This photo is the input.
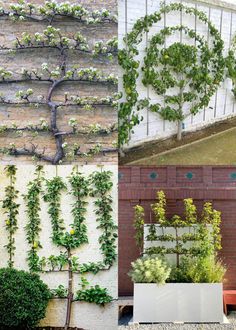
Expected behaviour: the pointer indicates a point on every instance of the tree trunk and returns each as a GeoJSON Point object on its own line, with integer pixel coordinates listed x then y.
{"type": "Point", "coordinates": [70, 293]}
{"type": "Point", "coordinates": [179, 132]}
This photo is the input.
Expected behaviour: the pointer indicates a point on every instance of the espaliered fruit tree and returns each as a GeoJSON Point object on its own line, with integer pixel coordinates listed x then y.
{"type": "Point", "coordinates": [184, 75]}
{"type": "Point", "coordinates": [60, 47]}
{"type": "Point", "coordinates": [97, 186]}
{"type": "Point", "coordinates": [189, 235]}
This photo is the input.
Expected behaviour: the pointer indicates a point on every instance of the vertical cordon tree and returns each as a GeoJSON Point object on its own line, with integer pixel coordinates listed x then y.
{"type": "Point", "coordinates": [11, 210]}
{"type": "Point", "coordinates": [184, 75]}
{"type": "Point", "coordinates": [54, 77]}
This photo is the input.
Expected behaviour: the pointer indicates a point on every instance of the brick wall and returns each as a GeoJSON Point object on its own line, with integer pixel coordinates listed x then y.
{"type": "Point", "coordinates": [30, 59]}
{"type": "Point", "coordinates": [202, 183]}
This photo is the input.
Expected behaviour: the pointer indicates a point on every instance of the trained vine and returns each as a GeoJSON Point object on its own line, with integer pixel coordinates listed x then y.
{"type": "Point", "coordinates": [11, 210]}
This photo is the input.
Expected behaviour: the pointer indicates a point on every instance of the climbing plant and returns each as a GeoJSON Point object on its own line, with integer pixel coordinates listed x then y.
{"type": "Point", "coordinates": [54, 77]}
{"type": "Point", "coordinates": [32, 199]}
{"type": "Point", "coordinates": [193, 71]}
{"type": "Point", "coordinates": [138, 225]}
{"type": "Point", "coordinates": [11, 209]}
{"type": "Point", "coordinates": [97, 186]}
{"type": "Point", "coordinates": [231, 64]}
{"type": "Point", "coordinates": [189, 235]}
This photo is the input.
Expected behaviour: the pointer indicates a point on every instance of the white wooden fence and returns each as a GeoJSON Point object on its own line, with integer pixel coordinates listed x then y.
{"type": "Point", "coordinates": [222, 104]}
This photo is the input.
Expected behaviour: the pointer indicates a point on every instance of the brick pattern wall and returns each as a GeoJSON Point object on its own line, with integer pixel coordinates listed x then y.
{"type": "Point", "coordinates": [30, 59]}
{"type": "Point", "coordinates": [202, 183]}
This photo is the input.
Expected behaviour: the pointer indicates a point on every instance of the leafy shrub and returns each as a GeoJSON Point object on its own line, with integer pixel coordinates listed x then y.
{"type": "Point", "coordinates": [23, 299]}
{"type": "Point", "coordinates": [95, 295]}
{"type": "Point", "coordinates": [149, 269]}
{"type": "Point", "coordinates": [198, 270]}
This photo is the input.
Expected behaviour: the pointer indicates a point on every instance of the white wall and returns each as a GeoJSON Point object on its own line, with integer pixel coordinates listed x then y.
{"type": "Point", "coordinates": [222, 104]}
{"type": "Point", "coordinates": [84, 315]}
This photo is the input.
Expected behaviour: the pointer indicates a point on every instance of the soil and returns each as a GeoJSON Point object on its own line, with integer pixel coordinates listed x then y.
{"type": "Point", "coordinates": [143, 155]}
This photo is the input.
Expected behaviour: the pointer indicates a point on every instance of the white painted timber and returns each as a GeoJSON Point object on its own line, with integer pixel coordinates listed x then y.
{"type": "Point", "coordinates": [222, 104]}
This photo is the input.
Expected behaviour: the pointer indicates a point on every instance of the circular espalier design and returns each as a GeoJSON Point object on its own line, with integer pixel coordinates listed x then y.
{"type": "Point", "coordinates": [55, 77]}
{"type": "Point", "coordinates": [183, 75]}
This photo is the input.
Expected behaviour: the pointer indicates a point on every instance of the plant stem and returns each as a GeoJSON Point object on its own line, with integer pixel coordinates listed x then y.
{"type": "Point", "coordinates": [179, 132]}
{"type": "Point", "coordinates": [70, 291]}
{"type": "Point", "coordinates": [180, 121]}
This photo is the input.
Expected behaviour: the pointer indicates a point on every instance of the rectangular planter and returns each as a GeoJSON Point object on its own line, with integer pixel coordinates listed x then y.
{"type": "Point", "coordinates": [178, 302]}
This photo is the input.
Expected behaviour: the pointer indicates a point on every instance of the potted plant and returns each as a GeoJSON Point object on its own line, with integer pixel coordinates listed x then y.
{"type": "Point", "coordinates": [179, 278]}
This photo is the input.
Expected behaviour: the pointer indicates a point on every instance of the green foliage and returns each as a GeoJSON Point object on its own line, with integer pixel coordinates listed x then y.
{"type": "Point", "coordinates": [93, 267]}
{"type": "Point", "coordinates": [159, 208]}
{"type": "Point", "coordinates": [51, 9]}
{"type": "Point", "coordinates": [190, 211]}
{"type": "Point", "coordinates": [55, 187]}
{"type": "Point", "coordinates": [198, 270]}
{"type": "Point", "coordinates": [201, 237]}
{"type": "Point", "coordinates": [98, 185]}
{"type": "Point", "coordinates": [95, 295]}
{"type": "Point", "coordinates": [58, 262]}
{"type": "Point", "coordinates": [60, 292]}
{"type": "Point", "coordinates": [80, 190]}
{"type": "Point", "coordinates": [195, 71]}
{"type": "Point", "coordinates": [32, 199]}
{"type": "Point", "coordinates": [102, 185]}
{"type": "Point", "coordinates": [152, 234]}
{"type": "Point", "coordinates": [149, 269]}
{"type": "Point", "coordinates": [231, 64]}
{"type": "Point", "coordinates": [23, 300]}
{"type": "Point", "coordinates": [139, 225]}
{"type": "Point", "coordinates": [11, 209]}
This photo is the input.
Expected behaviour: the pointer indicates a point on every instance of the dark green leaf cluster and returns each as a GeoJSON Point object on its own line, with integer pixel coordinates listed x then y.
{"type": "Point", "coordinates": [102, 185]}
{"type": "Point", "coordinates": [11, 209]}
{"type": "Point", "coordinates": [59, 292]}
{"type": "Point", "coordinates": [80, 190]}
{"type": "Point", "coordinates": [55, 187]}
{"type": "Point", "coordinates": [23, 299]}
{"type": "Point", "coordinates": [95, 295]}
{"type": "Point", "coordinates": [32, 199]}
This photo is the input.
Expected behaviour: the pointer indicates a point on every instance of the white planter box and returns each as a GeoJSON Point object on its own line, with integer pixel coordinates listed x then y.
{"type": "Point", "coordinates": [178, 302]}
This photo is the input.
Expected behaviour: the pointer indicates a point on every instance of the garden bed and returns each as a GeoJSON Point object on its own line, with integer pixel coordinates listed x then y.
{"type": "Point", "coordinates": [149, 152]}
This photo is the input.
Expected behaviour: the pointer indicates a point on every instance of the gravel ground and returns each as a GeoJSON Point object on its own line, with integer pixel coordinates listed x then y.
{"type": "Point", "coordinates": [166, 326]}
